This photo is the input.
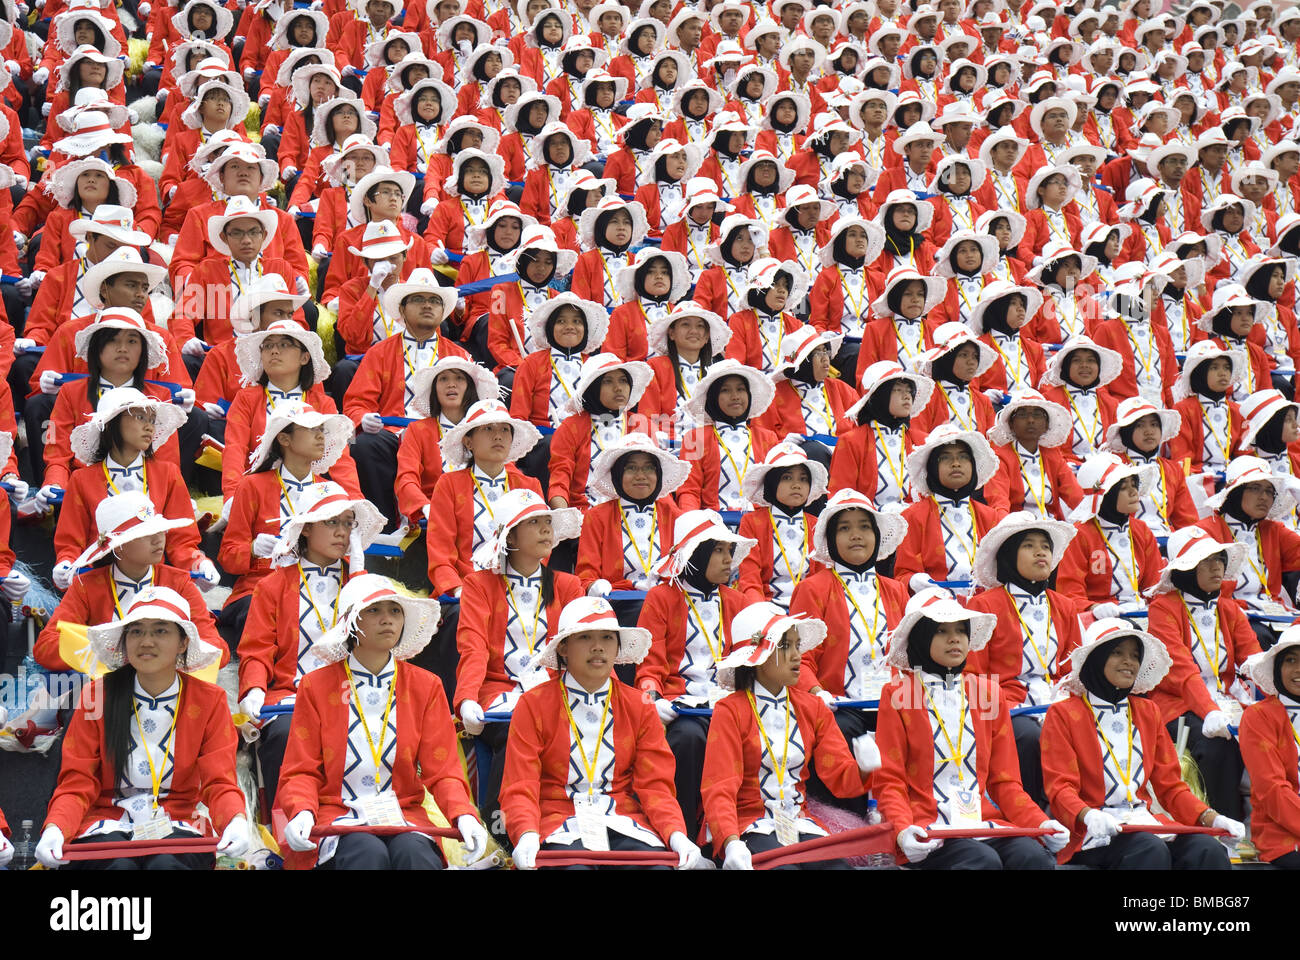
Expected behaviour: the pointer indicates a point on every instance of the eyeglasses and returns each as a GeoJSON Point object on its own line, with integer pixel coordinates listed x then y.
{"type": "Point", "coordinates": [252, 233]}
{"type": "Point", "coordinates": [388, 193]}
{"type": "Point", "coordinates": [335, 523]}
{"type": "Point", "coordinates": [143, 414]}
{"type": "Point", "coordinates": [281, 343]}
{"type": "Point", "coordinates": [423, 299]}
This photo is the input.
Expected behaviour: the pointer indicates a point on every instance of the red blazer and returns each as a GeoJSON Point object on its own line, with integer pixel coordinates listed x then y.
{"type": "Point", "coordinates": [880, 342]}
{"type": "Point", "coordinates": [1279, 544]}
{"type": "Point", "coordinates": [827, 298]}
{"type": "Point", "coordinates": [1085, 570]}
{"type": "Point", "coordinates": [71, 409]}
{"type": "Point", "coordinates": [733, 761]}
{"type": "Point", "coordinates": [746, 344]}
{"type": "Point", "coordinates": [87, 487]}
{"type": "Point", "coordinates": [204, 769]}
{"type": "Point", "coordinates": [60, 353]}
{"type": "Point", "coordinates": [1268, 746]}
{"type": "Point", "coordinates": [1000, 660]}
{"type": "Point", "coordinates": [447, 224]}
{"type": "Point", "coordinates": [1183, 689]}
{"type": "Point", "coordinates": [1030, 368]}
{"type": "Point", "coordinates": [1179, 508]}
{"type": "Point", "coordinates": [937, 410]}
{"type": "Point", "coordinates": [922, 548]}
{"type": "Point", "coordinates": [820, 595]}
{"type": "Point", "coordinates": [664, 614]}
{"type": "Point", "coordinates": [785, 415]}
{"type": "Point", "coordinates": [628, 329]}
{"type": "Point", "coordinates": [192, 242]}
{"type": "Point", "coordinates": [419, 466]}
{"type": "Point", "coordinates": [426, 758]}
{"type": "Point", "coordinates": [1106, 404]}
{"type": "Point", "coordinates": [600, 546]}
{"type": "Point", "coordinates": [904, 785]}
{"type": "Point", "coordinates": [1188, 448]}
{"type": "Point", "coordinates": [379, 385]}
{"type": "Point", "coordinates": [1011, 492]}
{"type": "Point", "coordinates": [701, 486]}
{"type": "Point", "coordinates": [1073, 770]}
{"type": "Point", "coordinates": [759, 566]}
{"type": "Point", "coordinates": [571, 456]}
{"type": "Point", "coordinates": [854, 463]}
{"type": "Point", "coordinates": [208, 295]}
{"type": "Point", "coordinates": [534, 794]}
{"type": "Point", "coordinates": [451, 525]}
{"type": "Point", "coordinates": [480, 638]}
{"type": "Point", "coordinates": [268, 647]}
{"type": "Point", "coordinates": [1111, 333]}
{"type": "Point", "coordinates": [355, 326]}
{"type": "Point", "coordinates": [508, 319]}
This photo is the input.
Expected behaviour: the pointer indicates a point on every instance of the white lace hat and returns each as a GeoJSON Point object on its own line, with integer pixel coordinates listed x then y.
{"type": "Point", "coordinates": [937, 604]}
{"type": "Point", "coordinates": [113, 403]}
{"type": "Point", "coordinates": [1058, 532]}
{"type": "Point", "coordinates": [1155, 658]}
{"type": "Point", "coordinates": [755, 632]}
{"type": "Point", "coordinates": [892, 527]}
{"type": "Point", "coordinates": [153, 603]}
{"type": "Point", "coordinates": [512, 509]}
{"type": "Point", "coordinates": [586, 614]}
{"type": "Point", "coordinates": [295, 413]}
{"type": "Point", "coordinates": [421, 617]}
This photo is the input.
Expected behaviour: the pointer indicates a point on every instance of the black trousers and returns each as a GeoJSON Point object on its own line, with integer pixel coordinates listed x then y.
{"type": "Point", "coordinates": [441, 656]}
{"type": "Point", "coordinates": [36, 414]}
{"type": "Point", "coordinates": [161, 861]}
{"type": "Point", "coordinates": [402, 851]}
{"type": "Point", "coordinates": [376, 457]}
{"type": "Point", "coordinates": [1027, 731]}
{"type": "Point", "coordinates": [1011, 853]}
{"type": "Point", "coordinates": [762, 842]}
{"type": "Point", "coordinates": [494, 735]}
{"type": "Point", "coordinates": [230, 623]}
{"type": "Point", "coordinates": [1146, 851]}
{"type": "Point", "coordinates": [616, 842]}
{"type": "Point", "coordinates": [687, 738]}
{"type": "Point", "coordinates": [336, 385]}
{"type": "Point", "coordinates": [852, 724]}
{"type": "Point", "coordinates": [270, 753]}
{"type": "Point", "coordinates": [1220, 764]}
{"type": "Point", "coordinates": [1288, 861]}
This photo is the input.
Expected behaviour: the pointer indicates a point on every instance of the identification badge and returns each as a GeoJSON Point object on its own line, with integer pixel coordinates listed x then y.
{"type": "Point", "coordinates": [591, 821]}
{"type": "Point", "coordinates": [787, 828]}
{"type": "Point", "coordinates": [965, 807]}
{"type": "Point", "coordinates": [381, 810]}
{"type": "Point", "coordinates": [154, 826]}
{"type": "Point", "coordinates": [874, 680]}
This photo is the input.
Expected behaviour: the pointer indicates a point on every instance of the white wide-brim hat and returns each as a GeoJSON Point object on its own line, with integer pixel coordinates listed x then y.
{"type": "Point", "coordinates": [1187, 547]}
{"type": "Point", "coordinates": [484, 380]}
{"type": "Point", "coordinates": [692, 528]}
{"type": "Point", "coordinates": [1058, 419]}
{"type": "Point", "coordinates": [153, 603]}
{"type": "Point", "coordinates": [886, 371]}
{"type": "Point", "coordinates": [986, 464]}
{"type": "Point", "coordinates": [338, 432]}
{"type": "Point", "coordinates": [123, 318]}
{"type": "Point", "coordinates": [1111, 363]}
{"type": "Point", "coordinates": [679, 271]}
{"type": "Point", "coordinates": [1098, 475]}
{"type": "Point", "coordinates": [121, 260]}
{"type": "Point", "coordinates": [761, 389]}
{"type": "Point", "coordinates": [239, 104]}
{"type": "Point", "coordinates": [782, 456]}
{"type": "Point", "coordinates": [325, 500]}
{"type": "Point", "coordinates": [1206, 351]}
{"type": "Point", "coordinates": [936, 289]}
{"type": "Point", "coordinates": [639, 373]}
{"type": "Point", "coordinates": [891, 528]}
{"type": "Point", "coordinates": [999, 290]}
{"type": "Point", "coordinates": [1133, 409]}
{"type": "Point", "coordinates": [586, 614]}
{"type": "Point", "coordinates": [524, 438]}
{"type": "Point", "coordinates": [1259, 666]}
{"type": "Point", "coordinates": [989, 254]}
{"type": "Point", "coordinates": [113, 403]}
{"type": "Point", "coordinates": [1246, 469]}
{"type": "Point", "coordinates": [235, 210]}
{"type": "Point", "coordinates": [248, 350]}
{"type": "Point", "coordinates": [719, 329]}
{"type": "Point", "coordinates": [515, 507]}
{"type": "Point", "coordinates": [673, 471]}
{"type": "Point", "coordinates": [135, 518]}
{"type": "Point", "coordinates": [62, 182]}
{"type": "Point", "coordinates": [356, 199]}
{"type": "Point", "coordinates": [951, 336]}
{"type": "Point", "coordinates": [755, 632]}
{"type": "Point", "coordinates": [595, 317]}
{"type": "Point", "coordinates": [1155, 658]}
{"type": "Point", "coordinates": [421, 618]}
{"type": "Point", "coordinates": [421, 280]}
{"type": "Point", "coordinates": [937, 604]}
{"type": "Point", "coordinates": [1059, 532]}
{"type": "Point", "coordinates": [1261, 407]}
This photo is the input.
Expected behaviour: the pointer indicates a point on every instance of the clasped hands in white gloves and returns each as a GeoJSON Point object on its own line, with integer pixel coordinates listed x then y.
{"type": "Point", "coordinates": [253, 702]}
{"type": "Point", "coordinates": [912, 841]}
{"type": "Point", "coordinates": [50, 382]}
{"type": "Point", "coordinates": [297, 832]}
{"type": "Point", "coordinates": [688, 854]}
{"type": "Point", "coordinates": [207, 571]}
{"type": "Point", "coordinates": [866, 753]}
{"type": "Point", "coordinates": [1054, 842]}
{"type": "Point", "coordinates": [525, 852]}
{"type": "Point", "coordinates": [234, 839]}
{"type": "Point", "coordinates": [473, 835]}
{"type": "Point", "coordinates": [62, 574]}
{"type": "Point", "coordinates": [264, 544]}
{"type": "Point", "coordinates": [665, 710]}
{"type": "Point", "coordinates": [1216, 724]}
{"type": "Point", "coordinates": [826, 696]}
{"type": "Point", "coordinates": [471, 715]}
{"type": "Point", "coordinates": [372, 423]}
{"type": "Point", "coordinates": [1100, 827]}
{"type": "Point", "coordinates": [920, 581]}
{"type": "Point", "coordinates": [49, 851]}
{"type": "Point", "coordinates": [736, 856]}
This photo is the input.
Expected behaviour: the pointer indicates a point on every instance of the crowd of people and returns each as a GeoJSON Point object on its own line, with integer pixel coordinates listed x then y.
{"type": "Point", "coordinates": [815, 416]}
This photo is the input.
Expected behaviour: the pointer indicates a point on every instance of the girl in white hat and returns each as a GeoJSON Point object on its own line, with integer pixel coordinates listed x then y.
{"type": "Point", "coordinates": [999, 317]}
{"type": "Point", "coordinates": [683, 345]}
{"type": "Point", "coordinates": [591, 771]}
{"type": "Point", "coordinates": [118, 444]}
{"type": "Point", "coordinates": [1233, 323]}
{"type": "Point", "coordinates": [483, 448]}
{"type": "Point", "coordinates": [609, 230]}
{"type": "Point", "coordinates": [1267, 733]}
{"type": "Point", "coordinates": [485, 246]}
{"type": "Point", "coordinates": [766, 316]}
{"type": "Point", "coordinates": [627, 534]}
{"type": "Point", "coordinates": [1209, 637]}
{"type": "Point", "coordinates": [557, 155]}
{"type": "Point", "coordinates": [766, 181]}
{"type": "Point", "coordinates": [78, 187]}
{"type": "Point", "coordinates": [421, 113]}
{"type": "Point", "coordinates": [780, 487]}
{"type": "Point", "coordinates": [1028, 440]}
{"type": "Point", "coordinates": [955, 181]}
{"type": "Point", "coordinates": [403, 739]}
{"type": "Point", "coordinates": [510, 606]}
{"type": "Point", "coordinates": [1008, 228]}
{"type": "Point", "coordinates": [903, 319]}
{"type": "Point", "coordinates": [956, 362]}
{"type": "Point", "coordinates": [769, 734]}
{"type": "Point", "coordinates": [1107, 758]}
{"type": "Point", "coordinates": [948, 750]}
{"type": "Point", "coordinates": [652, 283]}
{"type": "Point", "coordinates": [688, 615]}
{"type": "Point", "coordinates": [1268, 280]}
{"type": "Point", "coordinates": [809, 401]}
{"type": "Point", "coordinates": [665, 172]}
{"type": "Point", "coordinates": [628, 158]}
{"type": "Point", "coordinates": [1272, 433]}
{"type": "Point", "coordinates": [475, 181]}
{"type": "Point", "coordinates": [599, 412]}
{"type": "Point", "coordinates": [844, 289]}
{"type": "Point", "coordinates": [1138, 434]}
{"type": "Point", "coordinates": [1075, 377]}
{"type": "Point", "coordinates": [302, 148]}
{"type": "Point", "coordinates": [293, 608]}
{"type": "Point", "coordinates": [799, 232]}
{"type": "Point", "coordinates": [692, 234]}
{"type": "Point", "coordinates": [872, 455]}
{"type": "Point", "coordinates": [1057, 271]}
{"type": "Point", "coordinates": [1210, 436]}
{"type": "Point", "coordinates": [147, 744]}
{"type": "Point", "coordinates": [537, 260]}
{"type": "Point", "coordinates": [1125, 325]}
{"type": "Point", "coordinates": [444, 394]}
{"type": "Point", "coordinates": [1037, 627]}
{"type": "Point", "coordinates": [722, 287]}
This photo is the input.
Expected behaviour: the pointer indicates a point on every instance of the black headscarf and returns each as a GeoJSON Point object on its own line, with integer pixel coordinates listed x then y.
{"type": "Point", "coordinates": [725, 244]}
{"type": "Point", "coordinates": [550, 335]}
{"type": "Point", "coordinates": [1289, 243]}
{"type": "Point", "coordinates": [941, 369]}
{"type": "Point", "coordinates": [1126, 437]}
{"type": "Point", "coordinates": [715, 412]}
{"type": "Point", "coordinates": [616, 475]}
{"type": "Point", "coordinates": [757, 299]}
{"type": "Point", "coordinates": [877, 407]}
{"type": "Point", "coordinates": [834, 551]}
{"type": "Point", "coordinates": [661, 171]}
{"type": "Point", "coordinates": [899, 241]}
{"type": "Point", "coordinates": [1257, 285]}
{"type": "Point", "coordinates": [525, 126]}
{"type": "Point", "coordinates": [638, 279]}
{"type": "Point", "coordinates": [840, 188]}
{"type": "Point", "coordinates": [751, 186]}
{"type": "Point", "coordinates": [932, 474]}
{"type": "Point", "coordinates": [771, 481]}
{"type": "Point", "coordinates": [589, 100]}
{"type": "Point", "coordinates": [918, 650]}
{"type": "Point", "coordinates": [460, 182]}
{"type": "Point", "coordinates": [1007, 571]}
{"type": "Point", "coordinates": [802, 373]}
{"type": "Point", "coordinates": [601, 231]}
{"type": "Point", "coordinates": [1108, 511]}
{"type": "Point", "coordinates": [1221, 324]}
{"type": "Point", "coordinates": [1065, 371]}
{"type": "Point", "coordinates": [995, 316]}
{"type": "Point", "coordinates": [1268, 439]}
{"type": "Point", "coordinates": [1093, 673]}
{"type": "Point", "coordinates": [697, 565]}
{"type": "Point", "coordinates": [591, 400]}
{"type": "Point", "coordinates": [1098, 250]}
{"type": "Point", "coordinates": [1197, 378]}
{"type": "Point", "coordinates": [915, 61]}
{"type": "Point", "coordinates": [1185, 581]}
{"type": "Point", "coordinates": [480, 74]}
{"type": "Point", "coordinates": [490, 236]}
{"type": "Point", "coordinates": [776, 124]}
{"type": "Point", "coordinates": [569, 63]}
{"type": "Point", "coordinates": [1232, 507]}
{"type": "Point", "coordinates": [1278, 685]}
{"type": "Point", "coordinates": [521, 263]}
{"type": "Point", "coordinates": [839, 251]}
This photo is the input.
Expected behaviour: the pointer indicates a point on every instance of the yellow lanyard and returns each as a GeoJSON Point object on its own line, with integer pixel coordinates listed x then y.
{"type": "Point", "coordinates": [590, 769]}
{"type": "Point", "coordinates": [609, 281]}
{"type": "Point", "coordinates": [775, 359]}
{"type": "Point", "coordinates": [873, 627]}
{"type": "Point", "coordinates": [1091, 437]}
{"type": "Point", "coordinates": [1041, 496]}
{"type": "Point", "coordinates": [389, 328]}
{"type": "Point", "coordinates": [1039, 655]}
{"type": "Point", "coordinates": [827, 410]}
{"type": "Point", "coordinates": [715, 650]}
{"type": "Point", "coordinates": [1162, 506]}
{"type": "Point", "coordinates": [855, 305]}
{"type": "Point", "coordinates": [155, 776]}
{"type": "Point", "coordinates": [376, 754]}
{"type": "Point", "coordinates": [270, 404]}
{"type": "Point", "coordinates": [234, 274]}
{"type": "Point", "coordinates": [483, 497]}
{"type": "Point", "coordinates": [117, 606]}
{"type": "Point", "coordinates": [776, 535]}
{"type": "Point", "coordinates": [406, 356]}
{"type": "Point", "coordinates": [969, 307]}
{"type": "Point", "coordinates": [974, 530]}
{"type": "Point", "coordinates": [468, 215]}
{"type": "Point", "coordinates": [1152, 237]}
{"type": "Point", "coordinates": [778, 768]}
{"type": "Point", "coordinates": [1012, 382]}
{"type": "Point", "coordinates": [1125, 772]}
{"type": "Point", "coordinates": [644, 561]}
{"type": "Point", "coordinates": [1007, 191]}
{"type": "Point", "coordinates": [556, 370]}
{"type": "Point", "coordinates": [1224, 443]}
{"type": "Point", "coordinates": [955, 754]}
{"type": "Point", "coordinates": [749, 447]}
{"type": "Point", "coordinates": [1129, 572]}
{"type": "Point", "coordinates": [312, 600]}
{"type": "Point", "coordinates": [1191, 621]}
{"type": "Point", "coordinates": [966, 424]}
{"type": "Point", "coordinates": [1147, 358]}
{"type": "Point", "coordinates": [537, 616]}
{"type": "Point", "coordinates": [284, 491]}
{"type": "Point", "coordinates": [895, 468]}
{"type": "Point", "coordinates": [144, 477]}
{"type": "Point", "coordinates": [695, 251]}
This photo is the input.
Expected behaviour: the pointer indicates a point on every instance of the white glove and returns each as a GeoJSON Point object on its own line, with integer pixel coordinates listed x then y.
{"type": "Point", "coordinates": [40, 75]}
{"type": "Point", "coordinates": [271, 129]}
{"type": "Point", "coordinates": [214, 411]}
{"type": "Point", "coordinates": [919, 582]}
{"type": "Point", "coordinates": [15, 586]}
{"type": "Point", "coordinates": [427, 207]}
{"type": "Point", "coordinates": [187, 398]}
{"type": "Point", "coordinates": [50, 382]}
{"type": "Point", "coordinates": [206, 569]}
{"type": "Point", "coordinates": [47, 495]}
{"type": "Point", "coordinates": [465, 48]}
{"type": "Point", "coordinates": [319, 252]}
{"type": "Point", "coordinates": [371, 423]}
{"type": "Point", "coordinates": [144, 10]}
{"type": "Point", "coordinates": [380, 272]}
{"type": "Point", "coordinates": [132, 116]}
{"type": "Point", "coordinates": [6, 850]}
{"type": "Point", "coordinates": [62, 575]}
{"type": "Point", "coordinates": [252, 702]}
{"type": "Point", "coordinates": [1236, 829]}
{"type": "Point", "coordinates": [349, 71]}
{"type": "Point", "coordinates": [293, 210]}
{"type": "Point", "coordinates": [471, 715]}
{"type": "Point", "coordinates": [22, 345]}
{"type": "Point", "coordinates": [665, 710]}
{"type": "Point", "coordinates": [13, 67]}
{"type": "Point", "coordinates": [1101, 826]}
{"type": "Point", "coordinates": [737, 856]}
{"type": "Point", "coordinates": [600, 588]}
{"type": "Point", "coordinates": [20, 241]}
{"type": "Point", "coordinates": [297, 832]}
{"type": "Point", "coordinates": [250, 72]}
{"type": "Point", "coordinates": [49, 851]}
{"type": "Point", "coordinates": [171, 191]}
{"type": "Point", "coordinates": [866, 753]}
{"type": "Point", "coordinates": [234, 839]}
{"type": "Point", "coordinates": [288, 172]}
{"type": "Point", "coordinates": [828, 698]}
{"type": "Point", "coordinates": [525, 852]}
{"type": "Point", "coordinates": [643, 583]}
{"type": "Point", "coordinates": [1103, 611]}
{"type": "Point", "coordinates": [264, 544]}
{"type": "Point", "coordinates": [438, 256]}
{"type": "Point", "coordinates": [20, 487]}
{"type": "Point", "coordinates": [1054, 842]}
{"type": "Point", "coordinates": [194, 347]}
{"type": "Point", "coordinates": [473, 835]}
{"type": "Point", "coordinates": [688, 854]}
{"type": "Point", "coordinates": [1215, 724]}
{"type": "Point", "coordinates": [994, 395]}
{"type": "Point", "coordinates": [912, 841]}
